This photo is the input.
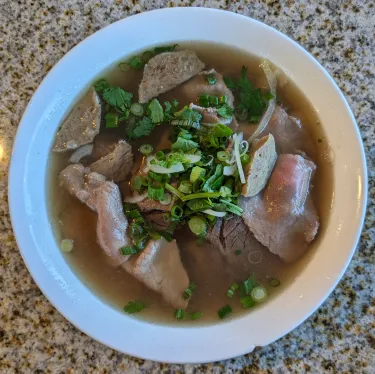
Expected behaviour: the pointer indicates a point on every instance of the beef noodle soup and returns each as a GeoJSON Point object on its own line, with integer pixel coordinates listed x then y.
{"type": "Point", "coordinates": [190, 183]}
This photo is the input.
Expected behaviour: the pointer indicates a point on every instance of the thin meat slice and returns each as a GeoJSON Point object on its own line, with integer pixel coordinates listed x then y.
{"type": "Point", "coordinates": [167, 71]}
{"type": "Point", "coordinates": [289, 133]}
{"type": "Point", "coordinates": [81, 125]}
{"type": "Point", "coordinates": [160, 268]}
{"type": "Point", "coordinates": [103, 197]}
{"type": "Point", "coordinates": [283, 217]}
{"type": "Point", "coordinates": [157, 219]}
{"type": "Point", "coordinates": [148, 205]}
{"type": "Point", "coordinates": [117, 164]}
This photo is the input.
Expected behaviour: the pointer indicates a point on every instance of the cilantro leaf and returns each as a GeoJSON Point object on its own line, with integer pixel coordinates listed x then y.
{"type": "Point", "coordinates": [101, 85]}
{"type": "Point", "coordinates": [170, 109]}
{"type": "Point", "coordinates": [141, 128]}
{"type": "Point", "coordinates": [184, 144]}
{"type": "Point", "coordinates": [117, 98]}
{"type": "Point", "coordinates": [225, 111]}
{"type": "Point", "coordinates": [188, 114]}
{"type": "Point", "coordinates": [156, 111]}
{"type": "Point", "coordinates": [134, 307]}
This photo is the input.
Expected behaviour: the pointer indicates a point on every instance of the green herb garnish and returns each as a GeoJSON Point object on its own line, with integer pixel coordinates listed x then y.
{"type": "Point", "coordinates": [189, 291]}
{"type": "Point", "coordinates": [179, 314]}
{"type": "Point", "coordinates": [134, 307]}
{"type": "Point", "coordinates": [224, 311]}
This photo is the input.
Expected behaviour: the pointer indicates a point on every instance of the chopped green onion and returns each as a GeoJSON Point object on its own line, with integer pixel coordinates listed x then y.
{"type": "Point", "coordinates": [138, 182]}
{"type": "Point", "coordinates": [134, 213]}
{"type": "Point", "coordinates": [137, 109]}
{"type": "Point", "coordinates": [198, 205]}
{"type": "Point", "coordinates": [225, 191]}
{"type": "Point", "coordinates": [247, 302]}
{"type": "Point", "coordinates": [160, 156]}
{"type": "Point", "coordinates": [241, 114]}
{"type": "Point", "coordinates": [66, 245]}
{"type": "Point", "coordinates": [179, 314]}
{"type": "Point", "coordinates": [147, 56]}
{"type": "Point", "coordinates": [175, 191]}
{"type": "Point", "coordinates": [129, 250]}
{"type": "Point", "coordinates": [233, 208]}
{"type": "Point", "coordinates": [223, 99]}
{"type": "Point", "coordinates": [134, 307]}
{"type": "Point", "coordinates": [232, 290]}
{"type": "Point", "coordinates": [177, 212]}
{"type": "Point", "coordinates": [200, 195]}
{"type": "Point", "coordinates": [274, 282]}
{"type": "Point", "coordinates": [197, 225]}
{"type": "Point", "coordinates": [259, 294]}
{"type": "Point", "coordinates": [198, 184]}
{"type": "Point", "coordinates": [124, 66]}
{"type": "Point", "coordinates": [224, 311]}
{"type": "Point", "coordinates": [111, 120]}
{"type": "Point", "coordinates": [214, 101]}
{"type": "Point", "coordinates": [195, 315]}
{"type": "Point", "coordinates": [136, 230]}
{"type": "Point", "coordinates": [238, 252]}
{"type": "Point", "coordinates": [185, 187]}
{"type": "Point", "coordinates": [204, 100]}
{"type": "Point", "coordinates": [249, 284]}
{"type": "Point", "coordinates": [146, 149]}
{"type": "Point", "coordinates": [155, 193]}
{"type": "Point", "coordinates": [245, 159]}
{"type": "Point", "coordinates": [141, 243]}
{"type": "Point", "coordinates": [223, 156]}
{"type": "Point", "coordinates": [254, 119]}
{"type": "Point", "coordinates": [189, 291]}
{"type": "Point", "coordinates": [139, 220]}
{"type": "Point", "coordinates": [196, 172]}
{"type": "Point", "coordinates": [210, 79]}
{"type": "Point", "coordinates": [136, 63]}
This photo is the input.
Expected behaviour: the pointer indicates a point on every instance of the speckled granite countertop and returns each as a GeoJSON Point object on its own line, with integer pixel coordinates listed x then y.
{"type": "Point", "coordinates": [34, 337]}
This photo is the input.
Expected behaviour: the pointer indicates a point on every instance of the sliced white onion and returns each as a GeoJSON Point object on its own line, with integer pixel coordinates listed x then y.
{"type": "Point", "coordinates": [176, 168]}
{"type": "Point", "coordinates": [209, 162]}
{"type": "Point", "coordinates": [136, 198]}
{"type": "Point", "coordinates": [272, 81]}
{"type": "Point", "coordinates": [193, 158]}
{"type": "Point", "coordinates": [245, 145]}
{"type": "Point", "coordinates": [229, 170]}
{"type": "Point", "coordinates": [237, 140]}
{"type": "Point", "coordinates": [80, 153]}
{"type": "Point", "coordinates": [215, 213]}
{"type": "Point", "coordinates": [167, 199]}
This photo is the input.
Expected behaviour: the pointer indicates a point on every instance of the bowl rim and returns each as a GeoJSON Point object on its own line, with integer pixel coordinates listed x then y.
{"type": "Point", "coordinates": [53, 278]}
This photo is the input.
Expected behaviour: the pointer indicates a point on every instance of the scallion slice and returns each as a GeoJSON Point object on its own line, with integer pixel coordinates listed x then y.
{"type": "Point", "coordinates": [167, 199]}
{"type": "Point", "coordinates": [177, 212]}
{"type": "Point", "coordinates": [210, 79]}
{"type": "Point", "coordinates": [223, 155]}
{"type": "Point", "coordinates": [111, 120]}
{"type": "Point", "coordinates": [259, 294]}
{"type": "Point", "coordinates": [160, 156]}
{"type": "Point", "coordinates": [195, 315]}
{"type": "Point", "coordinates": [129, 250]}
{"type": "Point", "coordinates": [249, 284]}
{"type": "Point", "coordinates": [175, 191]}
{"type": "Point", "coordinates": [274, 282]}
{"type": "Point", "coordinates": [245, 159]}
{"type": "Point", "coordinates": [232, 290]}
{"type": "Point", "coordinates": [185, 187]}
{"type": "Point", "coordinates": [136, 63]}
{"type": "Point", "coordinates": [223, 99]}
{"type": "Point", "coordinates": [198, 225]}
{"type": "Point", "coordinates": [146, 149]}
{"type": "Point", "coordinates": [200, 195]}
{"type": "Point", "coordinates": [124, 66]}
{"type": "Point", "coordinates": [147, 55]}
{"type": "Point", "coordinates": [179, 314]}
{"type": "Point", "coordinates": [196, 172]}
{"type": "Point", "coordinates": [137, 109]}
{"type": "Point", "coordinates": [134, 307]}
{"type": "Point", "coordinates": [189, 291]}
{"type": "Point", "coordinates": [204, 100]}
{"type": "Point", "coordinates": [214, 101]}
{"type": "Point", "coordinates": [247, 302]}
{"type": "Point", "coordinates": [66, 245]}
{"type": "Point", "coordinates": [224, 311]}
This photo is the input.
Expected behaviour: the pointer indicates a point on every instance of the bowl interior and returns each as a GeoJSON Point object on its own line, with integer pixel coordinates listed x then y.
{"type": "Point", "coordinates": [27, 188]}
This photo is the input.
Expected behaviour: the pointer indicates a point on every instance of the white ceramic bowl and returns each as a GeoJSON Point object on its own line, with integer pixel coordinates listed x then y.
{"type": "Point", "coordinates": [27, 188]}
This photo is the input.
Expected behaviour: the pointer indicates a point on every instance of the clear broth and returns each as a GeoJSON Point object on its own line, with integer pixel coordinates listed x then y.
{"type": "Point", "coordinates": [71, 219]}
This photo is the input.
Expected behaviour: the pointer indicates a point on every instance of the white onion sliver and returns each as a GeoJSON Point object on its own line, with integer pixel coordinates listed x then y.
{"type": "Point", "coordinates": [136, 198]}
{"type": "Point", "coordinates": [229, 170]}
{"type": "Point", "coordinates": [272, 81]}
{"type": "Point", "coordinates": [238, 157]}
{"type": "Point", "coordinates": [81, 152]}
{"type": "Point", "coordinates": [245, 145]}
{"type": "Point", "coordinates": [215, 213]}
{"type": "Point", "coordinates": [176, 168]}
{"type": "Point", "coordinates": [209, 162]}
{"type": "Point", "coordinates": [167, 199]}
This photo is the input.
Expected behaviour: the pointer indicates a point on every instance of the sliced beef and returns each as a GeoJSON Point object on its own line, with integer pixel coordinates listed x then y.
{"type": "Point", "coordinates": [290, 135]}
{"type": "Point", "coordinates": [156, 218]}
{"type": "Point", "coordinates": [117, 164]}
{"type": "Point", "coordinates": [104, 198]}
{"type": "Point", "coordinates": [160, 268]}
{"type": "Point", "coordinates": [283, 216]}
{"type": "Point", "coordinates": [167, 71]}
{"type": "Point", "coordinates": [81, 125]}
{"type": "Point", "coordinates": [148, 205]}
{"type": "Point", "coordinates": [104, 144]}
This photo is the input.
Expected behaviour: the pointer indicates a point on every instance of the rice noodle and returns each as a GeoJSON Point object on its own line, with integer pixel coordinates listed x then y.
{"type": "Point", "coordinates": [271, 78]}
